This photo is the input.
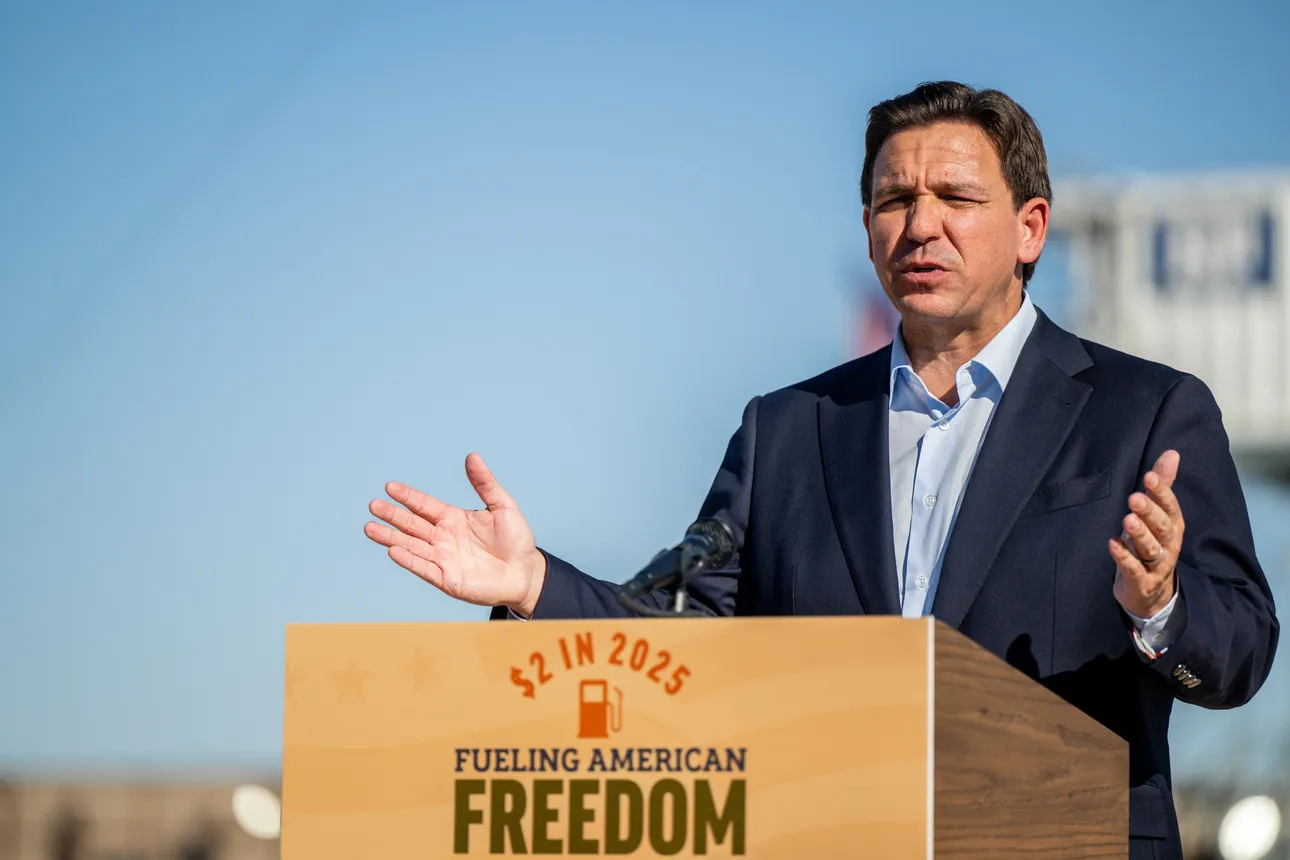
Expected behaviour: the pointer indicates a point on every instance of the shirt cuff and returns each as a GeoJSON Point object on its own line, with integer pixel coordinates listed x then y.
{"type": "Point", "coordinates": [510, 613]}
{"type": "Point", "coordinates": [1154, 635]}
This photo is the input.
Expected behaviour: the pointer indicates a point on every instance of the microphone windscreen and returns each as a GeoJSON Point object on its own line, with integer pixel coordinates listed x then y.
{"type": "Point", "coordinates": [722, 538]}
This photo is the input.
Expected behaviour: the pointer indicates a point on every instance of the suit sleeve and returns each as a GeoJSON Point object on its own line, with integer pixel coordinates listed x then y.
{"type": "Point", "coordinates": [570, 593]}
{"type": "Point", "coordinates": [1228, 635]}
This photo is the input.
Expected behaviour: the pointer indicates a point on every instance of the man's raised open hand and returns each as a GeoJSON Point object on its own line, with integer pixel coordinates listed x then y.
{"type": "Point", "coordinates": [486, 557]}
{"type": "Point", "coordinates": [1146, 554]}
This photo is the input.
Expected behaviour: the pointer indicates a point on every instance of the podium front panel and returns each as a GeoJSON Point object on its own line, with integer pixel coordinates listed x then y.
{"type": "Point", "coordinates": [761, 737]}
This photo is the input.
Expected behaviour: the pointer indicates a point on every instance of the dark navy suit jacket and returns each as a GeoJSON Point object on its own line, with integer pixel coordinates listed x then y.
{"type": "Point", "coordinates": [1026, 573]}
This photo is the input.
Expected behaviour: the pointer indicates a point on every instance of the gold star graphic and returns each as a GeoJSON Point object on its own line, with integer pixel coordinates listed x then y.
{"type": "Point", "coordinates": [422, 668]}
{"type": "Point", "coordinates": [349, 683]}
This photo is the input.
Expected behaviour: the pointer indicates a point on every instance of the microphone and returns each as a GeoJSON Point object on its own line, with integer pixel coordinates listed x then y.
{"type": "Point", "coordinates": [708, 545]}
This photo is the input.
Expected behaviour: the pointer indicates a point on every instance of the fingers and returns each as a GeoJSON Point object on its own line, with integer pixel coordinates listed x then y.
{"type": "Point", "coordinates": [1152, 531]}
{"type": "Point", "coordinates": [1145, 545]}
{"type": "Point", "coordinates": [430, 510]}
{"type": "Point", "coordinates": [386, 536]}
{"type": "Point", "coordinates": [1155, 522]}
{"type": "Point", "coordinates": [1163, 495]}
{"type": "Point", "coordinates": [1138, 589]}
{"type": "Point", "coordinates": [416, 501]}
{"type": "Point", "coordinates": [1126, 561]}
{"type": "Point", "coordinates": [481, 478]}
{"type": "Point", "coordinates": [408, 552]}
{"type": "Point", "coordinates": [427, 570]}
{"type": "Point", "coordinates": [401, 519]}
{"type": "Point", "coordinates": [1152, 517]}
{"type": "Point", "coordinates": [1167, 466]}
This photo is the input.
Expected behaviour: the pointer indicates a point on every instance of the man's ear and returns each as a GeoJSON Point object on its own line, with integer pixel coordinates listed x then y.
{"type": "Point", "coordinates": [868, 238]}
{"type": "Point", "coordinates": [1032, 228]}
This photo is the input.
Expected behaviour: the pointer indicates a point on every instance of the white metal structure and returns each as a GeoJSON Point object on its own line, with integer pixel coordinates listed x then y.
{"type": "Point", "coordinates": [1192, 271]}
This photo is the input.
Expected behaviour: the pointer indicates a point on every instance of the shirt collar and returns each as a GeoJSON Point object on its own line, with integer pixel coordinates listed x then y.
{"type": "Point", "coordinates": [999, 356]}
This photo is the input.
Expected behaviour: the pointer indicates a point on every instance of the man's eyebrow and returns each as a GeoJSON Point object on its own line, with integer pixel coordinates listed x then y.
{"type": "Point", "coordinates": [893, 189]}
{"type": "Point", "coordinates": [899, 188]}
{"type": "Point", "coordinates": [959, 188]}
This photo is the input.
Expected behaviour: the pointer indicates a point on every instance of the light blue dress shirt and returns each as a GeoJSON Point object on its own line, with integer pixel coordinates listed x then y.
{"type": "Point", "coordinates": [933, 448]}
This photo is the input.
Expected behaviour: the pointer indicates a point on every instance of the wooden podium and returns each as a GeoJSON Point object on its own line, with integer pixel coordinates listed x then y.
{"type": "Point", "coordinates": [805, 737]}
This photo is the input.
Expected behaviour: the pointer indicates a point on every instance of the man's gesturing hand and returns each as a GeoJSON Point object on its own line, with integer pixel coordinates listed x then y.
{"type": "Point", "coordinates": [1145, 581]}
{"type": "Point", "coordinates": [485, 557]}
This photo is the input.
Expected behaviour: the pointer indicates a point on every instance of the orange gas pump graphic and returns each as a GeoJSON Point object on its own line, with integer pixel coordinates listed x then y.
{"type": "Point", "coordinates": [597, 716]}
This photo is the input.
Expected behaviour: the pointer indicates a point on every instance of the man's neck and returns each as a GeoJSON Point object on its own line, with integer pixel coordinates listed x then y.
{"type": "Point", "coordinates": [938, 349]}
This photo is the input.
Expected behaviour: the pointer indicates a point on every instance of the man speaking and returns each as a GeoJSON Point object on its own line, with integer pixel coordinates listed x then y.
{"type": "Point", "coordinates": [1073, 509]}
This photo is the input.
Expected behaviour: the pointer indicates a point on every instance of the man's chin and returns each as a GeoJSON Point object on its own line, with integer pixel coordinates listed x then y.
{"type": "Point", "coordinates": [928, 306]}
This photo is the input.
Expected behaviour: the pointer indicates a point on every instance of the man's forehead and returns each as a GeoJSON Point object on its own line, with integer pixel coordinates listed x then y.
{"type": "Point", "coordinates": [945, 151]}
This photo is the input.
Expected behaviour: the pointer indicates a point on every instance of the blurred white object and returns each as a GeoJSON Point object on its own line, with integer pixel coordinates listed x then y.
{"type": "Point", "coordinates": [257, 811]}
{"type": "Point", "coordinates": [1249, 829]}
{"type": "Point", "coordinates": [1192, 271]}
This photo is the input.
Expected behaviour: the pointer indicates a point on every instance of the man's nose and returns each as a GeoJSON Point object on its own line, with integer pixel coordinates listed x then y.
{"type": "Point", "coordinates": [923, 221]}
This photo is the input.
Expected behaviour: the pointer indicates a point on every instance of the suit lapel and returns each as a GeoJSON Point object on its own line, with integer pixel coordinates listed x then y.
{"type": "Point", "coordinates": [853, 443]}
{"type": "Point", "coordinates": [1029, 427]}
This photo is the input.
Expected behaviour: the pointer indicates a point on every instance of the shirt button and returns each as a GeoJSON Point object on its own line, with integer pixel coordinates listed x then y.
{"type": "Point", "coordinates": [929, 500]}
{"type": "Point", "coordinates": [945, 425]}
{"type": "Point", "coordinates": [921, 582]}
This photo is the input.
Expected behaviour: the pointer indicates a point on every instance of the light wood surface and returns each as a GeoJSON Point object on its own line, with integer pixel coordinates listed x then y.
{"type": "Point", "coordinates": [831, 715]}
{"type": "Point", "coordinates": [762, 737]}
{"type": "Point", "coordinates": [1019, 772]}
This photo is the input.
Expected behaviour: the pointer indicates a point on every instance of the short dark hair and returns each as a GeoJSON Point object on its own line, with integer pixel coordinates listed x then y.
{"type": "Point", "coordinates": [1011, 129]}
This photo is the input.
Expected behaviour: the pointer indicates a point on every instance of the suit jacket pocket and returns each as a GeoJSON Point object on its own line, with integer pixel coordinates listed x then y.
{"type": "Point", "coordinates": [1066, 494]}
{"type": "Point", "coordinates": [1149, 807]}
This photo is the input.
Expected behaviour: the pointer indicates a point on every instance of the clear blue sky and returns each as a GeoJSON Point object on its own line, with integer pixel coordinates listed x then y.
{"type": "Point", "coordinates": [257, 259]}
